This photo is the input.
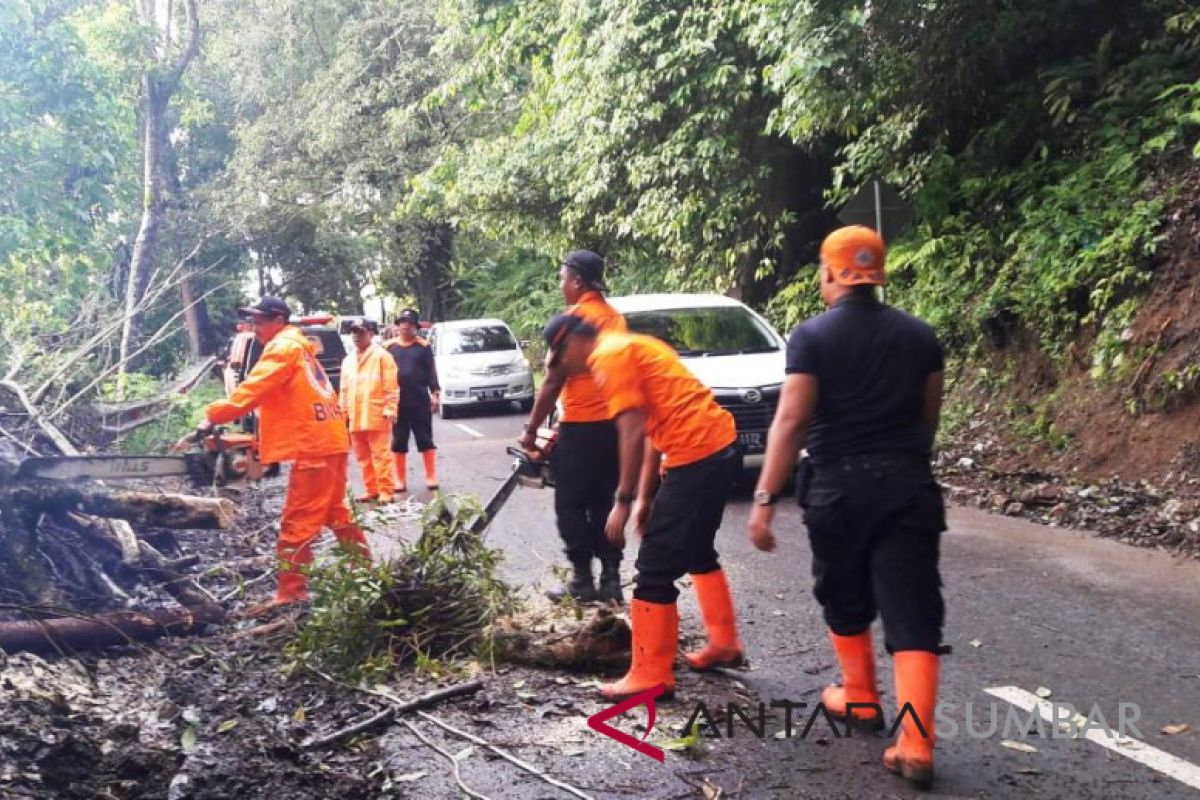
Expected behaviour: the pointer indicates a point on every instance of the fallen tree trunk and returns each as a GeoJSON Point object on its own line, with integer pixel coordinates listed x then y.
{"type": "Point", "coordinates": [68, 634]}
{"type": "Point", "coordinates": [144, 508]}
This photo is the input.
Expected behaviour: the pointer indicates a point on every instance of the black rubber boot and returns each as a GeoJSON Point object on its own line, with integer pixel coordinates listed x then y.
{"type": "Point", "coordinates": [610, 581]}
{"type": "Point", "coordinates": [581, 587]}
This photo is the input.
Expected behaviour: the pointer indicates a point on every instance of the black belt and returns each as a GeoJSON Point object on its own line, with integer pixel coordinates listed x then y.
{"type": "Point", "coordinates": [866, 462]}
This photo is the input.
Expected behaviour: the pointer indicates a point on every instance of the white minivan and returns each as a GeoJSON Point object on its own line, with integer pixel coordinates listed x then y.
{"type": "Point", "coordinates": [731, 349]}
{"type": "Point", "coordinates": [479, 361]}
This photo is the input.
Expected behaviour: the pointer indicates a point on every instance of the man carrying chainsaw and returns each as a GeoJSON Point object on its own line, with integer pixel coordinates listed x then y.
{"type": "Point", "coordinates": [369, 396]}
{"type": "Point", "coordinates": [585, 453]}
{"type": "Point", "coordinates": [300, 422]}
{"type": "Point", "coordinates": [669, 425]}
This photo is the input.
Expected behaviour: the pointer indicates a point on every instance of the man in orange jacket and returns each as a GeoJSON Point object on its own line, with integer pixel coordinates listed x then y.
{"type": "Point", "coordinates": [370, 394]}
{"type": "Point", "coordinates": [669, 423]}
{"type": "Point", "coordinates": [300, 422]}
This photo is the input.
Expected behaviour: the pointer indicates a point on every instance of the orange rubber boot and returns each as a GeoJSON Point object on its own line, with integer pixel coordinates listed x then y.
{"type": "Point", "coordinates": [292, 586]}
{"type": "Point", "coordinates": [400, 460]}
{"type": "Point", "coordinates": [430, 458]}
{"type": "Point", "coordinates": [856, 655]}
{"type": "Point", "coordinates": [655, 636]}
{"type": "Point", "coordinates": [916, 684]}
{"type": "Point", "coordinates": [724, 648]}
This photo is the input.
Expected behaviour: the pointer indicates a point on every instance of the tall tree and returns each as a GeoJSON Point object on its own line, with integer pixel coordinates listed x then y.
{"type": "Point", "coordinates": [167, 56]}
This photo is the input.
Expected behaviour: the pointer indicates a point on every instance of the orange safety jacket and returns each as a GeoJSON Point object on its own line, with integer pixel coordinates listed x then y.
{"type": "Point", "coordinates": [370, 389]}
{"type": "Point", "coordinates": [299, 414]}
{"type": "Point", "coordinates": [582, 400]}
{"type": "Point", "coordinates": [683, 420]}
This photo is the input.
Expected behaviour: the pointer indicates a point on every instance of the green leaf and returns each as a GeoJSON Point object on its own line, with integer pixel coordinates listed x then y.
{"type": "Point", "coordinates": [692, 742]}
{"type": "Point", "coordinates": [188, 739]}
{"type": "Point", "coordinates": [227, 726]}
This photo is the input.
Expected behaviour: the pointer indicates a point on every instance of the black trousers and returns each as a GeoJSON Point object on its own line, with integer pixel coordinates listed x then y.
{"type": "Point", "coordinates": [585, 480]}
{"type": "Point", "coordinates": [682, 528]}
{"type": "Point", "coordinates": [875, 524]}
{"type": "Point", "coordinates": [418, 419]}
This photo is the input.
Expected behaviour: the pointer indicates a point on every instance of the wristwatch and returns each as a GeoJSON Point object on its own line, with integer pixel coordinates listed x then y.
{"type": "Point", "coordinates": [764, 498]}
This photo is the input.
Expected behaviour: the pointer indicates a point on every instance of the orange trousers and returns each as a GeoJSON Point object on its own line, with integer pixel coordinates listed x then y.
{"type": "Point", "coordinates": [373, 449]}
{"type": "Point", "coordinates": [316, 499]}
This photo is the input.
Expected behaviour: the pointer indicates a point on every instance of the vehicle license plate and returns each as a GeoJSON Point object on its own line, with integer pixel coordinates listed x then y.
{"type": "Point", "coordinates": [751, 441]}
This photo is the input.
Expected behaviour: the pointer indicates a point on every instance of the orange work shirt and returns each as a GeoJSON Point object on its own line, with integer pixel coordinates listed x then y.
{"type": "Point", "coordinates": [298, 407]}
{"type": "Point", "coordinates": [370, 390]}
{"type": "Point", "coordinates": [683, 420]}
{"type": "Point", "coordinates": [582, 399]}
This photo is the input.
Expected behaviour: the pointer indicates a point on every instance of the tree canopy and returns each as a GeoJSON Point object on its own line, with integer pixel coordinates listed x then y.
{"type": "Point", "coordinates": [448, 153]}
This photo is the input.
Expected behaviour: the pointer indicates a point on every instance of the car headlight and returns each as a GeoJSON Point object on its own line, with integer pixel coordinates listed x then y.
{"type": "Point", "coordinates": [518, 365]}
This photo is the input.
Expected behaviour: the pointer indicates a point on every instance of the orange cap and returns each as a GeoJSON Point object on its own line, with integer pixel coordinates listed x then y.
{"type": "Point", "coordinates": [854, 255]}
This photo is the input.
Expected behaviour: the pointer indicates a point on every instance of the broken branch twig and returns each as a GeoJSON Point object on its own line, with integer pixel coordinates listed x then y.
{"type": "Point", "coordinates": [532, 770]}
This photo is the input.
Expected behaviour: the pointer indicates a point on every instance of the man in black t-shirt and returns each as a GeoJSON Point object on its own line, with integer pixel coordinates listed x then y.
{"type": "Point", "coordinates": [420, 396]}
{"type": "Point", "coordinates": [863, 392]}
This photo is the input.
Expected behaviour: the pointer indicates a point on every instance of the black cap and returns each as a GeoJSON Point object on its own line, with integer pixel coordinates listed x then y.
{"type": "Point", "coordinates": [409, 315]}
{"type": "Point", "coordinates": [364, 324]}
{"type": "Point", "coordinates": [558, 330]}
{"type": "Point", "coordinates": [588, 266]}
{"type": "Point", "coordinates": [268, 307]}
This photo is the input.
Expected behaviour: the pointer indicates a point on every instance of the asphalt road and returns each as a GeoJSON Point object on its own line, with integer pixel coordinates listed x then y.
{"type": "Point", "coordinates": [1034, 608]}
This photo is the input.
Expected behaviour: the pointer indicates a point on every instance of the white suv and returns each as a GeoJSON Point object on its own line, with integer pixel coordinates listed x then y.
{"type": "Point", "coordinates": [480, 361]}
{"type": "Point", "coordinates": [731, 349]}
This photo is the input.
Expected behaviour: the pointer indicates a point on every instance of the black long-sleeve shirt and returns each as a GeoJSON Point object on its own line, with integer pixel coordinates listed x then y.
{"type": "Point", "coordinates": [417, 372]}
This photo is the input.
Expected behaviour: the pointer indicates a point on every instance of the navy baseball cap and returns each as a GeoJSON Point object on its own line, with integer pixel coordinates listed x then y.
{"type": "Point", "coordinates": [409, 315]}
{"type": "Point", "coordinates": [558, 331]}
{"type": "Point", "coordinates": [268, 307]}
{"type": "Point", "coordinates": [588, 266]}
{"type": "Point", "coordinates": [363, 324]}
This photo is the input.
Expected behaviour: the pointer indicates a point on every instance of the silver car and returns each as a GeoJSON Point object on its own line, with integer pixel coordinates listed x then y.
{"type": "Point", "coordinates": [479, 361]}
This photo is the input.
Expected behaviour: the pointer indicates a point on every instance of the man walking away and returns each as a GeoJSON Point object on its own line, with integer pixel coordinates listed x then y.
{"type": "Point", "coordinates": [301, 422]}
{"type": "Point", "coordinates": [863, 391]}
{"type": "Point", "coordinates": [369, 397]}
{"type": "Point", "coordinates": [420, 396]}
{"type": "Point", "coordinates": [585, 456]}
{"type": "Point", "coordinates": [668, 422]}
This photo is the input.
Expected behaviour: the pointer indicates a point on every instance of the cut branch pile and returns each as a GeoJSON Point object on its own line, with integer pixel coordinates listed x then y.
{"type": "Point", "coordinates": [438, 598]}
{"type": "Point", "coordinates": [69, 556]}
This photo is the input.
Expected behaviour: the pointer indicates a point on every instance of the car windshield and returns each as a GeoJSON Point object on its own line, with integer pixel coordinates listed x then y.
{"type": "Point", "coordinates": [723, 331]}
{"type": "Point", "coordinates": [483, 339]}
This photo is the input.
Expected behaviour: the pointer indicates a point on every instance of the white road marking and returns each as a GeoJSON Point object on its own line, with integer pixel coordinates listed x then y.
{"type": "Point", "coordinates": [1172, 766]}
{"type": "Point", "coordinates": [469, 430]}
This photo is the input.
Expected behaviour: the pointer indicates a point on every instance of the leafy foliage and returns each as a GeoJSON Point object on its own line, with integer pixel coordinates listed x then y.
{"type": "Point", "coordinates": [437, 598]}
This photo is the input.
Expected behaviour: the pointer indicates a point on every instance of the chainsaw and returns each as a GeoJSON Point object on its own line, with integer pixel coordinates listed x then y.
{"type": "Point", "coordinates": [530, 468]}
{"type": "Point", "coordinates": [219, 458]}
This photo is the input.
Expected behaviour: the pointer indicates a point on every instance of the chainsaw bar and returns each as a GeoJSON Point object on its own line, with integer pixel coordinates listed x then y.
{"type": "Point", "coordinates": [198, 466]}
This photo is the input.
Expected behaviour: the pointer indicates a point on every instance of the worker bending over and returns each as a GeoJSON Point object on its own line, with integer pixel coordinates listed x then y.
{"type": "Point", "coordinates": [668, 425]}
